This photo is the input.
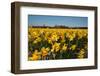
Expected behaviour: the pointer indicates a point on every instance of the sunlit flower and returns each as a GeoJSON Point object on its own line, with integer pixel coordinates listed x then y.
{"type": "Point", "coordinates": [49, 41]}
{"type": "Point", "coordinates": [81, 53]}
{"type": "Point", "coordinates": [64, 47]}
{"type": "Point", "coordinates": [35, 55]}
{"type": "Point", "coordinates": [54, 37]}
{"type": "Point", "coordinates": [73, 47]}
{"type": "Point", "coordinates": [56, 47]}
{"type": "Point", "coordinates": [37, 40]}
{"type": "Point", "coordinates": [44, 51]}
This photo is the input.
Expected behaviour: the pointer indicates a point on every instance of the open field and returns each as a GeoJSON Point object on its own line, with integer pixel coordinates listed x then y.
{"type": "Point", "coordinates": [52, 44]}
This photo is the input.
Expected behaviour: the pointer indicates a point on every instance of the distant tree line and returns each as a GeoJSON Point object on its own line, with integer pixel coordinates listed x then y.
{"type": "Point", "coordinates": [58, 26]}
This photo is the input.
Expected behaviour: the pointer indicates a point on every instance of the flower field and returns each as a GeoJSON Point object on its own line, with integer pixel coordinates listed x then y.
{"type": "Point", "coordinates": [53, 44]}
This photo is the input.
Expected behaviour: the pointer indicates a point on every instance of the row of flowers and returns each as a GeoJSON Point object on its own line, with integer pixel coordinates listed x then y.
{"type": "Point", "coordinates": [50, 44]}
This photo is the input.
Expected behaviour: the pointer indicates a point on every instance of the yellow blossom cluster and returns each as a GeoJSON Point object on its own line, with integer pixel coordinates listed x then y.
{"type": "Point", "coordinates": [54, 43]}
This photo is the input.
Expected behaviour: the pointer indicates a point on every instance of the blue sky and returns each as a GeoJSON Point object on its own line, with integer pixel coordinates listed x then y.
{"type": "Point", "coordinates": [70, 21]}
